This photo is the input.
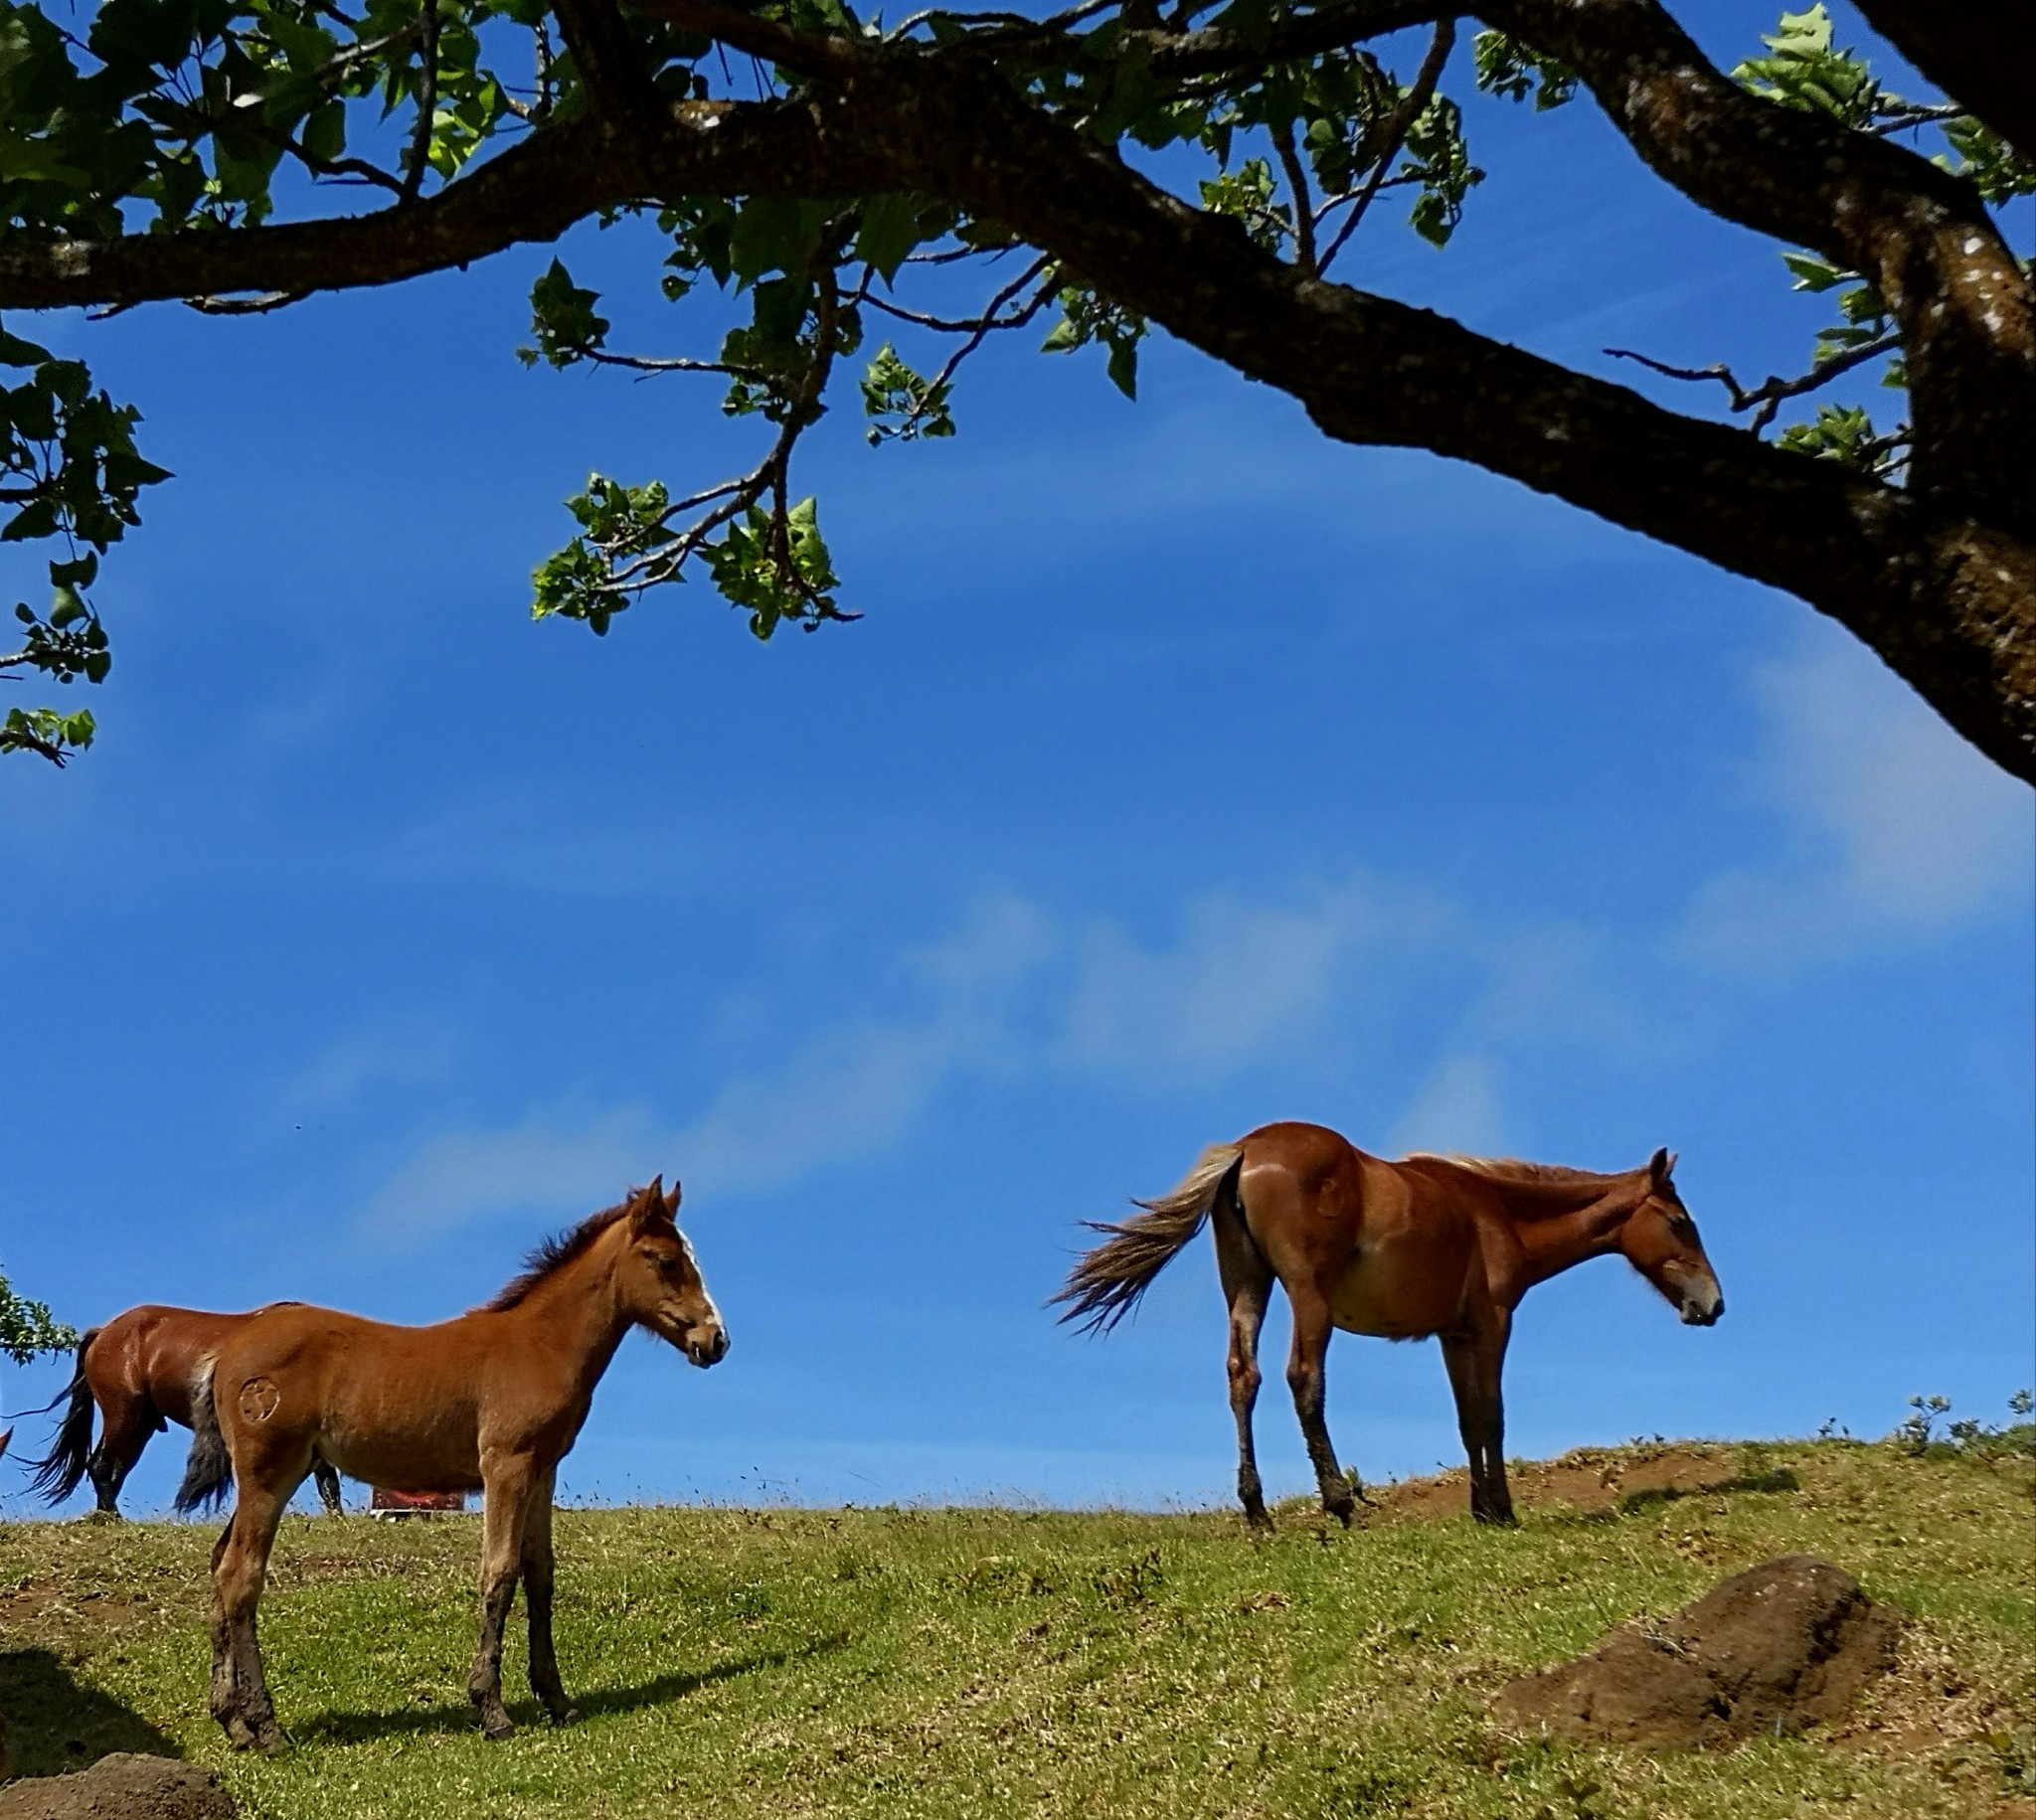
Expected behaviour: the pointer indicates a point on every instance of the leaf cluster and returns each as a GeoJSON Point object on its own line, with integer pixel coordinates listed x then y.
{"type": "Point", "coordinates": [28, 1329]}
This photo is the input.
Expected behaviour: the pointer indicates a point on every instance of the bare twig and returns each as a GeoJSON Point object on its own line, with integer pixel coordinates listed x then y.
{"type": "Point", "coordinates": [1768, 397]}
{"type": "Point", "coordinates": [1303, 202]}
{"type": "Point", "coordinates": [1397, 124]}
{"type": "Point", "coordinates": [967, 325]}
{"type": "Point", "coordinates": [984, 325]}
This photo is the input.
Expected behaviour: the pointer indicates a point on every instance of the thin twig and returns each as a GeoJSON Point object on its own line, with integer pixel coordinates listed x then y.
{"type": "Point", "coordinates": [1768, 397]}
{"type": "Point", "coordinates": [648, 364]}
{"type": "Point", "coordinates": [984, 325]}
{"type": "Point", "coordinates": [1014, 25]}
{"type": "Point", "coordinates": [1303, 202]}
{"type": "Point", "coordinates": [1399, 123]}
{"type": "Point", "coordinates": [968, 325]}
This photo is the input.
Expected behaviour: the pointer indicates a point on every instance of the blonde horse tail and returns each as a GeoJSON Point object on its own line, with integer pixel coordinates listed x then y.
{"type": "Point", "coordinates": [1106, 1283]}
{"type": "Point", "coordinates": [210, 1470]}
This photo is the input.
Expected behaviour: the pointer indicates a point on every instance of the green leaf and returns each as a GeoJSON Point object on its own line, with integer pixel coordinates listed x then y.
{"type": "Point", "coordinates": [889, 231]}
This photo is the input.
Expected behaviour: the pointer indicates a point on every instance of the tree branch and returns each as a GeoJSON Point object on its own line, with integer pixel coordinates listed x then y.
{"type": "Point", "coordinates": [1979, 52]}
{"type": "Point", "coordinates": [1949, 601]}
{"type": "Point", "coordinates": [1218, 48]}
{"type": "Point", "coordinates": [534, 190]}
{"type": "Point", "coordinates": [1920, 235]}
{"type": "Point", "coordinates": [1764, 400]}
{"type": "Point", "coordinates": [1397, 124]}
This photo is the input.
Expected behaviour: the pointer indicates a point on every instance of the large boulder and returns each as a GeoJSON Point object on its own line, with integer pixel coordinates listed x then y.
{"type": "Point", "coordinates": [123, 1787]}
{"type": "Point", "coordinates": [1779, 1647]}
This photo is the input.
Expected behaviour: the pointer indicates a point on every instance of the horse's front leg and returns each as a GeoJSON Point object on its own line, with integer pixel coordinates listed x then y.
{"type": "Point", "coordinates": [536, 1598]}
{"type": "Point", "coordinates": [507, 1483]}
{"type": "Point", "coordinates": [1474, 1360]}
{"type": "Point", "coordinates": [1307, 1378]}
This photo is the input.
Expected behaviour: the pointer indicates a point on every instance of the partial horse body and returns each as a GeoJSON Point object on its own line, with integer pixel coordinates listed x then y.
{"type": "Point", "coordinates": [490, 1401]}
{"type": "Point", "coordinates": [1428, 1246]}
{"type": "Point", "coordinates": [141, 1370]}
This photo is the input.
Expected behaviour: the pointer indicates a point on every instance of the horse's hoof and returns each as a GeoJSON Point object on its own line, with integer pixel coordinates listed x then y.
{"type": "Point", "coordinates": [270, 1741]}
{"type": "Point", "coordinates": [239, 1733]}
{"type": "Point", "coordinates": [566, 1716]}
{"type": "Point", "coordinates": [497, 1728]}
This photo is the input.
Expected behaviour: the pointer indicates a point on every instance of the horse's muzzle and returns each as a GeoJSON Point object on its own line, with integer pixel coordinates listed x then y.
{"type": "Point", "coordinates": [1703, 1311]}
{"type": "Point", "coordinates": [708, 1349]}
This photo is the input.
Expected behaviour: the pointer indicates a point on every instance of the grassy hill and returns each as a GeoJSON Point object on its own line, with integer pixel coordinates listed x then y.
{"type": "Point", "coordinates": [992, 1662]}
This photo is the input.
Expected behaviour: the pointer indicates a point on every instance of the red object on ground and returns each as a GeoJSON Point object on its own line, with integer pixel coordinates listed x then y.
{"type": "Point", "coordinates": [409, 1503]}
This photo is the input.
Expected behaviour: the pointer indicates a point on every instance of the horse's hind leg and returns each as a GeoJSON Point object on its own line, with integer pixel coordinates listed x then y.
{"type": "Point", "coordinates": [125, 1427]}
{"type": "Point", "coordinates": [1246, 1287]}
{"type": "Point", "coordinates": [508, 1495]}
{"type": "Point", "coordinates": [536, 1598]}
{"type": "Point", "coordinates": [1306, 1377]}
{"type": "Point", "coordinates": [239, 1691]}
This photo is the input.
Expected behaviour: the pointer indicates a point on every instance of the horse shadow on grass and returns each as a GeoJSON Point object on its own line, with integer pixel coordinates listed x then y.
{"type": "Point", "coordinates": [57, 1724]}
{"type": "Point", "coordinates": [598, 1702]}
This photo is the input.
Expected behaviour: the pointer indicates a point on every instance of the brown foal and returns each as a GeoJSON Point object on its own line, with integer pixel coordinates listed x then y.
{"type": "Point", "coordinates": [491, 1401]}
{"type": "Point", "coordinates": [139, 1369]}
{"type": "Point", "coordinates": [1429, 1245]}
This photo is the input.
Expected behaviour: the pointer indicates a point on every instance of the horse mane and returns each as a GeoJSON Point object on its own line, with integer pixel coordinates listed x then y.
{"type": "Point", "coordinates": [1510, 1169]}
{"type": "Point", "coordinates": [549, 1256]}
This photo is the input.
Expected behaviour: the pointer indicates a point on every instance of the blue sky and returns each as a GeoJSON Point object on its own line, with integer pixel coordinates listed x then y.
{"type": "Point", "coordinates": [1187, 771]}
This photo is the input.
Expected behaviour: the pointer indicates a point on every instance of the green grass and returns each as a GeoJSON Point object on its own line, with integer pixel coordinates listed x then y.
{"type": "Point", "coordinates": [988, 1662]}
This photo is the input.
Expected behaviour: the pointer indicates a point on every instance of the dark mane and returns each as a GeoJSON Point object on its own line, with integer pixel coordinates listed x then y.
{"type": "Point", "coordinates": [552, 1254]}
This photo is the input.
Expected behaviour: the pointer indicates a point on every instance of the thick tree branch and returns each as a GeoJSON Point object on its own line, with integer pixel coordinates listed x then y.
{"type": "Point", "coordinates": [1922, 236]}
{"type": "Point", "coordinates": [534, 190]}
{"type": "Point", "coordinates": [1334, 27]}
{"type": "Point", "coordinates": [1980, 52]}
{"type": "Point", "coordinates": [1945, 593]}
{"type": "Point", "coordinates": [1949, 603]}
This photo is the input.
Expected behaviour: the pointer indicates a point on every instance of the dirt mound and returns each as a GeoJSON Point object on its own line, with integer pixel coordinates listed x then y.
{"type": "Point", "coordinates": [1779, 1647]}
{"type": "Point", "coordinates": [123, 1787]}
{"type": "Point", "coordinates": [1590, 1479]}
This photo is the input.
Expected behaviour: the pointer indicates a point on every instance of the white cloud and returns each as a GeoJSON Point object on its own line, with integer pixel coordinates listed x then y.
{"type": "Point", "coordinates": [408, 1052]}
{"type": "Point", "coordinates": [555, 1166]}
{"type": "Point", "coordinates": [1456, 1109]}
{"type": "Point", "coordinates": [1010, 992]}
{"type": "Point", "coordinates": [1242, 979]}
{"type": "Point", "coordinates": [1903, 828]}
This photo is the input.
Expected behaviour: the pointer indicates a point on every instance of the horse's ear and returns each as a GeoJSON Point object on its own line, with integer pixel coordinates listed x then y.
{"type": "Point", "coordinates": [653, 1196]}
{"type": "Point", "coordinates": [671, 1201]}
{"type": "Point", "coordinates": [1660, 1166]}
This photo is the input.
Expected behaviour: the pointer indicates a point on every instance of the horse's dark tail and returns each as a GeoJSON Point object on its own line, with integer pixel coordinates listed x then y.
{"type": "Point", "coordinates": [1105, 1284]}
{"type": "Point", "coordinates": [59, 1472]}
{"type": "Point", "coordinates": [208, 1472]}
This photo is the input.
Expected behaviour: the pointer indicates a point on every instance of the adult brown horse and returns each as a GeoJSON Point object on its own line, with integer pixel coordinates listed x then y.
{"type": "Point", "coordinates": [1429, 1245]}
{"type": "Point", "coordinates": [139, 1369]}
{"type": "Point", "coordinates": [490, 1401]}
